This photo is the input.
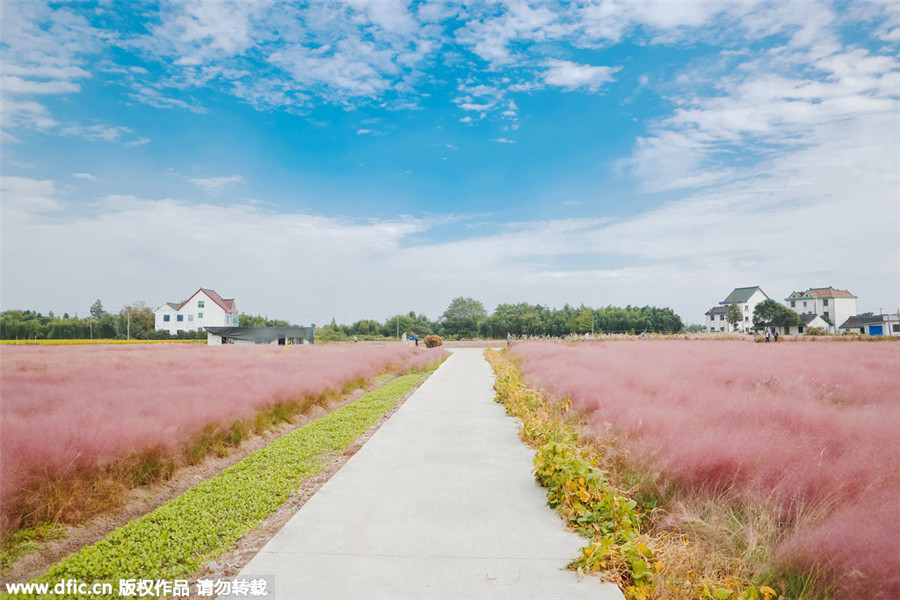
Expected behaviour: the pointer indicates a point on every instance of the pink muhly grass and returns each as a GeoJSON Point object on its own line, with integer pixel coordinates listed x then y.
{"type": "Point", "coordinates": [72, 407]}
{"type": "Point", "coordinates": [804, 428]}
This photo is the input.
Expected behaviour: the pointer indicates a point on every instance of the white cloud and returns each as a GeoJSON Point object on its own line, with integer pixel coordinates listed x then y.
{"type": "Point", "coordinates": [154, 97]}
{"type": "Point", "coordinates": [571, 76]}
{"type": "Point", "coordinates": [86, 176]}
{"type": "Point", "coordinates": [44, 52]}
{"type": "Point", "coordinates": [96, 133]}
{"type": "Point", "coordinates": [23, 195]}
{"type": "Point", "coordinates": [19, 85]}
{"type": "Point", "coordinates": [213, 185]}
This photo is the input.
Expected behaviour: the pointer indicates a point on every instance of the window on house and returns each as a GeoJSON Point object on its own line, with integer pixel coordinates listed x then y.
{"type": "Point", "coordinates": [166, 318]}
{"type": "Point", "coordinates": [793, 304]}
{"type": "Point", "coordinates": [179, 318]}
{"type": "Point", "coordinates": [825, 302]}
{"type": "Point", "coordinates": [895, 328]}
{"type": "Point", "coordinates": [199, 303]}
{"type": "Point", "coordinates": [804, 304]}
{"type": "Point", "coordinates": [825, 313]}
{"type": "Point", "coordinates": [800, 329]}
{"type": "Point", "coordinates": [746, 319]}
{"type": "Point", "coordinates": [721, 317]}
{"type": "Point", "coordinates": [190, 317]}
{"type": "Point", "coordinates": [200, 315]}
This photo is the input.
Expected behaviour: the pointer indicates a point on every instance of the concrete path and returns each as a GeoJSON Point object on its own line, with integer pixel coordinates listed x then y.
{"type": "Point", "coordinates": [439, 503]}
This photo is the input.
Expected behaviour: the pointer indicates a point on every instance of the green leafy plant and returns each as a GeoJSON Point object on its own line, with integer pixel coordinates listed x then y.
{"type": "Point", "coordinates": [179, 537]}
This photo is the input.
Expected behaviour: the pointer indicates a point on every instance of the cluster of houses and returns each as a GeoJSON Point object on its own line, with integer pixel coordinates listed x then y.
{"type": "Point", "coordinates": [826, 309]}
{"type": "Point", "coordinates": [218, 316]}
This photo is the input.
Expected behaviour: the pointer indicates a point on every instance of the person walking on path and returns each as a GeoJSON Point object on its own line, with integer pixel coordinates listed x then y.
{"type": "Point", "coordinates": [404, 338]}
{"type": "Point", "coordinates": [768, 335]}
{"type": "Point", "coordinates": [508, 339]}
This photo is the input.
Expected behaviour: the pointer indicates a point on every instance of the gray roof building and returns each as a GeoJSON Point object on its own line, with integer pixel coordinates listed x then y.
{"type": "Point", "coordinates": [260, 335]}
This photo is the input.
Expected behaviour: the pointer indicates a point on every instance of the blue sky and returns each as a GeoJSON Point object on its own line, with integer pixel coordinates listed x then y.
{"type": "Point", "coordinates": [358, 159]}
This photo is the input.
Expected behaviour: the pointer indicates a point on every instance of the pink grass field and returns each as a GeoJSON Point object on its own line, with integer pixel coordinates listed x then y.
{"type": "Point", "coordinates": [69, 406]}
{"type": "Point", "coordinates": [808, 429]}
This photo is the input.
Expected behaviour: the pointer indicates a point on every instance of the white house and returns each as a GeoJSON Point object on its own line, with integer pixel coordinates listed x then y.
{"type": "Point", "coordinates": [746, 299]}
{"type": "Point", "coordinates": [807, 322]}
{"type": "Point", "coordinates": [834, 306]}
{"type": "Point", "coordinates": [888, 325]}
{"type": "Point", "coordinates": [205, 308]}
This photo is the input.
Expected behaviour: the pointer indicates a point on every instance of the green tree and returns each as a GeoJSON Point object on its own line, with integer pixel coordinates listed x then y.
{"type": "Point", "coordinates": [770, 313]}
{"type": "Point", "coordinates": [143, 320]}
{"type": "Point", "coordinates": [733, 316]}
{"type": "Point", "coordinates": [463, 317]}
{"type": "Point", "coordinates": [97, 309]}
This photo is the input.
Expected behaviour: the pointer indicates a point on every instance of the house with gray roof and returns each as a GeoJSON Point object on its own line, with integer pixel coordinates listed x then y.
{"type": "Point", "coordinates": [746, 299]}
{"type": "Point", "coordinates": [259, 335]}
{"type": "Point", "coordinates": [872, 325]}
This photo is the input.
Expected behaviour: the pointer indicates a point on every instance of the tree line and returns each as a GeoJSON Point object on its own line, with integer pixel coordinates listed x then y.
{"type": "Point", "coordinates": [468, 318]}
{"type": "Point", "coordinates": [463, 318]}
{"type": "Point", "coordinates": [135, 321]}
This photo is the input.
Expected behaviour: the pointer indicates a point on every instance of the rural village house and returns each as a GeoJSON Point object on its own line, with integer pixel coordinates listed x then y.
{"type": "Point", "coordinates": [204, 309]}
{"type": "Point", "coordinates": [834, 306]}
{"type": "Point", "coordinates": [825, 308]}
{"type": "Point", "coordinates": [872, 325]}
{"type": "Point", "coordinates": [746, 298]}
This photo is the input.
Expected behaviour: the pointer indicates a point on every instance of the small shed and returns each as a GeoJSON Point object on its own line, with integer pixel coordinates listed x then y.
{"type": "Point", "coordinates": [259, 335]}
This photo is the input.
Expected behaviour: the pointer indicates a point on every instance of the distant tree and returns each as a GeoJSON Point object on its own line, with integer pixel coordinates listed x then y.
{"type": "Point", "coordinates": [143, 320]}
{"type": "Point", "coordinates": [463, 317]}
{"type": "Point", "coordinates": [733, 316]}
{"type": "Point", "coordinates": [770, 313]}
{"type": "Point", "coordinates": [245, 320]}
{"type": "Point", "coordinates": [97, 309]}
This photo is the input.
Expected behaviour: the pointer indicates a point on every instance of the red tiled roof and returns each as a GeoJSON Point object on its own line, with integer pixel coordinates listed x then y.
{"type": "Point", "coordinates": [829, 292]}
{"type": "Point", "coordinates": [226, 304]}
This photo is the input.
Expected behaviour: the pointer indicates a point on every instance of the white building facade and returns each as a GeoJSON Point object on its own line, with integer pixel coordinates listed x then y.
{"type": "Point", "coordinates": [746, 299]}
{"type": "Point", "coordinates": [205, 308]}
{"type": "Point", "coordinates": [833, 305]}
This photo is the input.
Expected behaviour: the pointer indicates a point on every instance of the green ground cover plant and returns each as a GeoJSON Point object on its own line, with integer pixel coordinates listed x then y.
{"type": "Point", "coordinates": [175, 540]}
{"type": "Point", "coordinates": [619, 549]}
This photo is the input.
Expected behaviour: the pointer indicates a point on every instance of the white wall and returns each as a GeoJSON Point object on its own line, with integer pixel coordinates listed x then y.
{"type": "Point", "coordinates": [198, 312]}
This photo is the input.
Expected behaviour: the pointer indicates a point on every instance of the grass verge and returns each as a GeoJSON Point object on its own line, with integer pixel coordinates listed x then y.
{"type": "Point", "coordinates": [620, 549]}
{"type": "Point", "coordinates": [179, 537]}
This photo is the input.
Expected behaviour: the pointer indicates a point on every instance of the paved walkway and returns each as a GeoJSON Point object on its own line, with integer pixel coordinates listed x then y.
{"type": "Point", "coordinates": [439, 503]}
